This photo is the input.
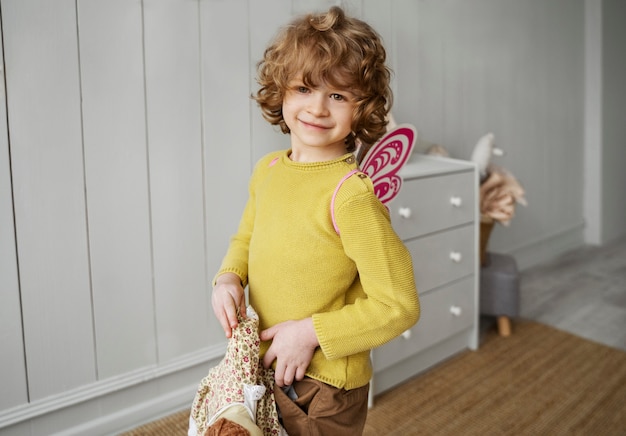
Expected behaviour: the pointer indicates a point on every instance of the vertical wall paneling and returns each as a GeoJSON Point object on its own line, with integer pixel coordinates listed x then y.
{"type": "Point", "coordinates": [378, 15]}
{"type": "Point", "coordinates": [352, 7]}
{"type": "Point", "coordinates": [173, 96]}
{"type": "Point", "coordinates": [461, 44]}
{"type": "Point", "coordinates": [405, 60]}
{"type": "Point", "coordinates": [262, 28]}
{"type": "Point", "coordinates": [131, 135]}
{"type": "Point", "coordinates": [429, 117]}
{"type": "Point", "coordinates": [613, 69]}
{"type": "Point", "coordinates": [227, 140]}
{"type": "Point", "coordinates": [116, 162]}
{"type": "Point", "coordinates": [516, 69]}
{"type": "Point", "coordinates": [44, 123]}
{"type": "Point", "coordinates": [561, 103]}
{"type": "Point", "coordinates": [592, 194]}
{"type": "Point", "coordinates": [13, 375]}
{"type": "Point", "coordinates": [299, 7]}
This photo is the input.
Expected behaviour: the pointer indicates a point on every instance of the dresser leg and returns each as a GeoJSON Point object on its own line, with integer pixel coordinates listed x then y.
{"type": "Point", "coordinates": [504, 326]}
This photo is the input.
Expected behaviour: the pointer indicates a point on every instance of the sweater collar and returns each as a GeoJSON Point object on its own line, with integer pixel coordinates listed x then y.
{"type": "Point", "coordinates": [347, 158]}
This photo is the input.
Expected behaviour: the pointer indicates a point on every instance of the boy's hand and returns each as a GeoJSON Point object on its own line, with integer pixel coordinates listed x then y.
{"type": "Point", "coordinates": [293, 344]}
{"type": "Point", "coordinates": [227, 298]}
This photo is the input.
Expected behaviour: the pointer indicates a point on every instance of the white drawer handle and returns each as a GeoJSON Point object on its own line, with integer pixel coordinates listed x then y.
{"type": "Point", "coordinates": [407, 334]}
{"type": "Point", "coordinates": [455, 256]}
{"type": "Point", "coordinates": [456, 201]}
{"type": "Point", "coordinates": [455, 310]}
{"type": "Point", "coordinates": [404, 212]}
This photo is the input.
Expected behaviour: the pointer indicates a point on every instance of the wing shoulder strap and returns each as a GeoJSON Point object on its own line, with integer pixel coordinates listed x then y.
{"type": "Point", "coordinates": [332, 201]}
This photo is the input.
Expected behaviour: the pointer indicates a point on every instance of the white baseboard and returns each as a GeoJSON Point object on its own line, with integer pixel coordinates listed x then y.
{"type": "Point", "coordinates": [548, 248]}
{"type": "Point", "coordinates": [115, 405]}
{"type": "Point", "coordinates": [129, 418]}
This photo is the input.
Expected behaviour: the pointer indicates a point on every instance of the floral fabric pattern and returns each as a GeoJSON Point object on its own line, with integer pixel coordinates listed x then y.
{"type": "Point", "coordinates": [224, 384]}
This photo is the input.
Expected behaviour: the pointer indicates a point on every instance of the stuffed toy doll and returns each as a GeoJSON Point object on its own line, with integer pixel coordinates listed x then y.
{"type": "Point", "coordinates": [237, 396]}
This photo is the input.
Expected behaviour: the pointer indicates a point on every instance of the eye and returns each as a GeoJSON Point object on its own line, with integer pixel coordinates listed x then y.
{"type": "Point", "coordinates": [337, 97]}
{"type": "Point", "coordinates": [302, 89]}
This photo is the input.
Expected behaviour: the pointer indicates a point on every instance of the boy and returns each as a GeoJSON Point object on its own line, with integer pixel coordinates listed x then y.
{"type": "Point", "coordinates": [324, 298]}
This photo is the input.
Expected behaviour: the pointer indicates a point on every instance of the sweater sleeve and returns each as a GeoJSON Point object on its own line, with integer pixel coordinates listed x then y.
{"type": "Point", "coordinates": [236, 258]}
{"type": "Point", "coordinates": [389, 302]}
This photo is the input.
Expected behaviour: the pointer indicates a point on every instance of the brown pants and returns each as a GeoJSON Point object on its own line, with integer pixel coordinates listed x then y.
{"type": "Point", "coordinates": [321, 409]}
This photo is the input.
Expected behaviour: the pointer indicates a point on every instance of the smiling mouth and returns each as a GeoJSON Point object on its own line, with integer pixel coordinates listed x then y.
{"type": "Point", "coordinates": [315, 126]}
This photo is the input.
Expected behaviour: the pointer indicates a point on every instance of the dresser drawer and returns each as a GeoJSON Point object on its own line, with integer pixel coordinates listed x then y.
{"type": "Point", "coordinates": [442, 257]}
{"type": "Point", "coordinates": [428, 204]}
{"type": "Point", "coordinates": [444, 312]}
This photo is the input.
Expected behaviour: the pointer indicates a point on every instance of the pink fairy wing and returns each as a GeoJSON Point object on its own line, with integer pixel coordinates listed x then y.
{"type": "Point", "coordinates": [385, 159]}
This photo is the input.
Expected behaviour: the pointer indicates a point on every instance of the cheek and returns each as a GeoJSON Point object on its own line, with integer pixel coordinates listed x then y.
{"type": "Point", "coordinates": [288, 114]}
{"type": "Point", "coordinates": [346, 120]}
{"type": "Point", "coordinates": [288, 109]}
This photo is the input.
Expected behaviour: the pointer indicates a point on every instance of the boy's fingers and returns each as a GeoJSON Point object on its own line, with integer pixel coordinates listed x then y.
{"type": "Point", "coordinates": [231, 316]}
{"type": "Point", "coordinates": [242, 308]}
{"type": "Point", "coordinates": [267, 334]}
{"type": "Point", "coordinates": [268, 358]}
{"type": "Point", "coordinates": [300, 373]}
{"type": "Point", "coordinates": [225, 325]}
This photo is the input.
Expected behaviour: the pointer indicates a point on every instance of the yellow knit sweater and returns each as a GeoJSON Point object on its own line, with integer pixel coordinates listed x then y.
{"type": "Point", "coordinates": [357, 286]}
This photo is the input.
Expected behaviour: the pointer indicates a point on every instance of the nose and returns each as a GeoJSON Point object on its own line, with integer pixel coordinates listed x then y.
{"type": "Point", "coordinates": [318, 104]}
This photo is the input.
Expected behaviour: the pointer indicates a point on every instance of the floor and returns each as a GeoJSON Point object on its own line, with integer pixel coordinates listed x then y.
{"type": "Point", "coordinates": [582, 292]}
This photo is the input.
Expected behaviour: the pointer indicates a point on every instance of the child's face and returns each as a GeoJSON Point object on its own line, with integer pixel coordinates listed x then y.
{"type": "Point", "coordinates": [319, 118]}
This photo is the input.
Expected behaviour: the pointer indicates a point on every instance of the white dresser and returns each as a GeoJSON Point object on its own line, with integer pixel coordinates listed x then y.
{"type": "Point", "coordinates": [436, 215]}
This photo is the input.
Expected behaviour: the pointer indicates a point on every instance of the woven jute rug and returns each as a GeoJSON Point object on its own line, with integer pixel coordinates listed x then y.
{"type": "Point", "coordinates": [538, 381]}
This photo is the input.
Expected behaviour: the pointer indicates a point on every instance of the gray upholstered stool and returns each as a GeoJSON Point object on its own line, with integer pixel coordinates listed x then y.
{"type": "Point", "coordinates": [499, 290]}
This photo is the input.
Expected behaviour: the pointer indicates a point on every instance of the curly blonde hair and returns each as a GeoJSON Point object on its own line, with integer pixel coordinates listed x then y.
{"type": "Point", "coordinates": [331, 48]}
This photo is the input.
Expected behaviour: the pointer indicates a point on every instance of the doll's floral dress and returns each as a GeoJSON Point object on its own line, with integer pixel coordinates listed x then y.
{"type": "Point", "coordinates": [239, 379]}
